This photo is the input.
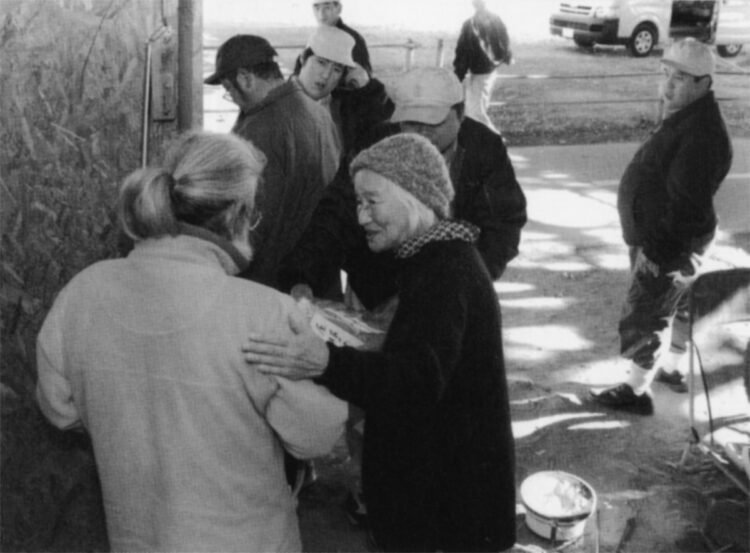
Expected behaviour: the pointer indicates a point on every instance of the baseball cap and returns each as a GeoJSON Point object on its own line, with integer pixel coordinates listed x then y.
{"type": "Point", "coordinates": [690, 56]}
{"type": "Point", "coordinates": [332, 44]}
{"type": "Point", "coordinates": [425, 95]}
{"type": "Point", "coordinates": [240, 51]}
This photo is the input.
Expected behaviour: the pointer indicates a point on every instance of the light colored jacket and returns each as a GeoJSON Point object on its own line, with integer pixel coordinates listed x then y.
{"type": "Point", "coordinates": [144, 352]}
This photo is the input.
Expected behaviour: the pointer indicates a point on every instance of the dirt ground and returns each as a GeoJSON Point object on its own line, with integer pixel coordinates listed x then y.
{"type": "Point", "coordinates": [560, 301]}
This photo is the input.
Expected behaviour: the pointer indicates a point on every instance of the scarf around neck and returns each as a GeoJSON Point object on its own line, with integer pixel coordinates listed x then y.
{"type": "Point", "coordinates": [442, 231]}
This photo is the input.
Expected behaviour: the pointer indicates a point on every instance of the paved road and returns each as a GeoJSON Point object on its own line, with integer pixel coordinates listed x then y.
{"type": "Point", "coordinates": [561, 299]}
{"type": "Point", "coordinates": [588, 176]}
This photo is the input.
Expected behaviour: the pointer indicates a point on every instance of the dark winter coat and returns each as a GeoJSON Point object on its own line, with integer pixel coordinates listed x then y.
{"type": "Point", "coordinates": [487, 195]}
{"type": "Point", "coordinates": [438, 460]}
{"type": "Point", "coordinates": [359, 52]}
{"type": "Point", "coordinates": [482, 45]}
{"type": "Point", "coordinates": [356, 111]}
{"type": "Point", "coordinates": [665, 199]}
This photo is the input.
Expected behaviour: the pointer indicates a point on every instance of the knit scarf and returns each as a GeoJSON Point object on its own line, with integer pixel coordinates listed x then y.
{"type": "Point", "coordinates": [443, 230]}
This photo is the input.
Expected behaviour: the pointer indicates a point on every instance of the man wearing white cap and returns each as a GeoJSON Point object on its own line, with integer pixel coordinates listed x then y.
{"type": "Point", "coordinates": [328, 14]}
{"type": "Point", "coordinates": [324, 61]}
{"type": "Point", "coordinates": [665, 201]}
{"type": "Point", "coordinates": [328, 74]}
{"type": "Point", "coordinates": [430, 102]}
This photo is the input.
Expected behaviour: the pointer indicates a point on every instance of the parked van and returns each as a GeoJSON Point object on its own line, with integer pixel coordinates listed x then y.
{"type": "Point", "coordinates": [642, 24]}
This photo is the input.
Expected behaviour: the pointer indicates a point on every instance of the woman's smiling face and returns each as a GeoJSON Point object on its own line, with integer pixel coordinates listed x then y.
{"type": "Point", "coordinates": [382, 212]}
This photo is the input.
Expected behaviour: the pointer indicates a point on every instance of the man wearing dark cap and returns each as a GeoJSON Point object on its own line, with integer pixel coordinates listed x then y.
{"type": "Point", "coordinates": [667, 214]}
{"type": "Point", "coordinates": [296, 134]}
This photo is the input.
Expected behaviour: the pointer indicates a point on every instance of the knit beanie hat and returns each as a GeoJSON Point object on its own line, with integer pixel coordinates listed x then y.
{"type": "Point", "coordinates": [413, 163]}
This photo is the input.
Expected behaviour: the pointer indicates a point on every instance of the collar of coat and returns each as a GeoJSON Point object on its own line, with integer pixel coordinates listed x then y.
{"type": "Point", "coordinates": [240, 261]}
{"type": "Point", "coordinates": [443, 230]}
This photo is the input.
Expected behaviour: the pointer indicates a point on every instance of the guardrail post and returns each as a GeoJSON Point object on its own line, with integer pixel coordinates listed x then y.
{"type": "Point", "coordinates": [410, 46]}
{"type": "Point", "coordinates": [440, 52]}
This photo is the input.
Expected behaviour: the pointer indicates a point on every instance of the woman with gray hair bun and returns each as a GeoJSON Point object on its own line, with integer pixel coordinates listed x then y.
{"type": "Point", "coordinates": [438, 465]}
{"type": "Point", "coordinates": [207, 182]}
{"type": "Point", "coordinates": [142, 353]}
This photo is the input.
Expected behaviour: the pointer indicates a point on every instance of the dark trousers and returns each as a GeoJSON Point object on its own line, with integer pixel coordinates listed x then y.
{"type": "Point", "coordinates": [650, 304]}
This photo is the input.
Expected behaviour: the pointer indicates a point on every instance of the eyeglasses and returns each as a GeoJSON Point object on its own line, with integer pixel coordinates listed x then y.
{"type": "Point", "coordinates": [227, 96]}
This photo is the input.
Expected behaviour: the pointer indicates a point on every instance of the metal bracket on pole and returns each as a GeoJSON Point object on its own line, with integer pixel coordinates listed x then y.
{"type": "Point", "coordinates": [147, 96]}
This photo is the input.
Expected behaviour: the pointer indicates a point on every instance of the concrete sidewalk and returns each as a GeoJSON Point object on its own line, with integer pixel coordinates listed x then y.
{"type": "Point", "coordinates": [593, 172]}
{"type": "Point", "coordinates": [561, 301]}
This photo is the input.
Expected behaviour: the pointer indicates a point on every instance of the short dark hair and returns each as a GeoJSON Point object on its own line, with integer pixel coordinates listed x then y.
{"type": "Point", "coordinates": [302, 58]}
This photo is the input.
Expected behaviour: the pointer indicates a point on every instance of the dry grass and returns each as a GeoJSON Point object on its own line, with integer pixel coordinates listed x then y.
{"type": "Point", "coordinates": [69, 129]}
{"type": "Point", "coordinates": [597, 96]}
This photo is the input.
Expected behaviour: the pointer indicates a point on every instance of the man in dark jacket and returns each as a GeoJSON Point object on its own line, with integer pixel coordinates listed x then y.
{"type": "Point", "coordinates": [428, 101]}
{"type": "Point", "coordinates": [297, 136]}
{"type": "Point", "coordinates": [482, 46]}
{"type": "Point", "coordinates": [666, 210]}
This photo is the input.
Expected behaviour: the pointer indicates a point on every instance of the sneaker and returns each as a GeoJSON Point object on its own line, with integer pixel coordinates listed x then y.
{"type": "Point", "coordinates": [675, 380]}
{"type": "Point", "coordinates": [355, 508]}
{"type": "Point", "coordinates": [623, 398]}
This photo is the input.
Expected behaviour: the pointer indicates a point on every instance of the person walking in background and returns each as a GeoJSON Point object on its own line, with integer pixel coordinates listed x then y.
{"type": "Point", "coordinates": [144, 354]}
{"type": "Point", "coordinates": [482, 46]}
{"type": "Point", "coordinates": [665, 201]}
{"type": "Point", "coordinates": [296, 134]}
{"type": "Point", "coordinates": [438, 463]}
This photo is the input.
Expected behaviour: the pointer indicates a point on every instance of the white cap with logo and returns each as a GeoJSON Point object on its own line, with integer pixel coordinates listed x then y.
{"type": "Point", "coordinates": [690, 56]}
{"type": "Point", "coordinates": [425, 95]}
{"type": "Point", "coordinates": [332, 44]}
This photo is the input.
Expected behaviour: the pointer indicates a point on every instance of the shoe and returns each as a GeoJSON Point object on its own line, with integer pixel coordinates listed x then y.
{"type": "Point", "coordinates": [356, 510]}
{"type": "Point", "coordinates": [675, 380]}
{"type": "Point", "coordinates": [623, 398]}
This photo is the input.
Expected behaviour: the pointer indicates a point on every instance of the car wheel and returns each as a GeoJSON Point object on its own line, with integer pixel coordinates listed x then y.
{"type": "Point", "coordinates": [583, 42]}
{"type": "Point", "coordinates": [642, 41]}
{"type": "Point", "coordinates": [729, 50]}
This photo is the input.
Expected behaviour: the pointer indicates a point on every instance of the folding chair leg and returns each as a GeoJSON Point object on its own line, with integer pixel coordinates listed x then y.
{"type": "Point", "coordinates": [694, 438]}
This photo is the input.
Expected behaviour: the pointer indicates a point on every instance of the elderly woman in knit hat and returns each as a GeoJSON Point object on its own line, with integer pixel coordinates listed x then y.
{"type": "Point", "coordinates": [438, 461]}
